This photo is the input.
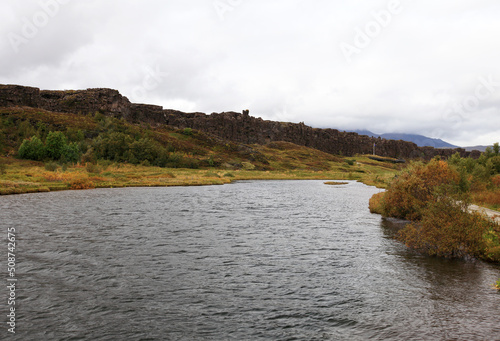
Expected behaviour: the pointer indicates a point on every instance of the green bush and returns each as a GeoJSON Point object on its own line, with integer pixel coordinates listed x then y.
{"type": "Point", "coordinates": [55, 148]}
{"type": "Point", "coordinates": [32, 149]}
{"type": "Point", "coordinates": [112, 146]}
{"type": "Point", "coordinates": [55, 145]}
{"type": "Point", "coordinates": [143, 150]}
{"type": "Point", "coordinates": [70, 153]}
{"type": "Point", "coordinates": [161, 159]}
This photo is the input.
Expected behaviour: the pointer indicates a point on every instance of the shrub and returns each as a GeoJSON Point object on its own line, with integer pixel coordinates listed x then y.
{"type": "Point", "coordinates": [448, 230]}
{"type": "Point", "coordinates": [144, 149]}
{"type": "Point", "coordinates": [435, 197]}
{"type": "Point", "coordinates": [161, 159]}
{"type": "Point", "coordinates": [83, 183]}
{"type": "Point", "coordinates": [376, 204]}
{"type": "Point", "coordinates": [412, 190]}
{"type": "Point", "coordinates": [495, 162]}
{"type": "Point", "coordinates": [187, 131]}
{"type": "Point", "coordinates": [55, 145]}
{"type": "Point", "coordinates": [32, 149]}
{"type": "Point", "coordinates": [496, 181]}
{"type": "Point", "coordinates": [70, 153]}
{"type": "Point", "coordinates": [113, 146]}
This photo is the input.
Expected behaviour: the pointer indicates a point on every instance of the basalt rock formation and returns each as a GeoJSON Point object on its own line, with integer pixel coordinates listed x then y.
{"type": "Point", "coordinates": [232, 126]}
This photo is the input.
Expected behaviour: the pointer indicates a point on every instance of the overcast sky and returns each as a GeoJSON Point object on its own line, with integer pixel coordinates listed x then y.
{"type": "Point", "coordinates": [415, 66]}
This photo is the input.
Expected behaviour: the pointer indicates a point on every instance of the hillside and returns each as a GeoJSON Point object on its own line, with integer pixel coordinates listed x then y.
{"type": "Point", "coordinates": [116, 153]}
{"type": "Point", "coordinates": [230, 126]}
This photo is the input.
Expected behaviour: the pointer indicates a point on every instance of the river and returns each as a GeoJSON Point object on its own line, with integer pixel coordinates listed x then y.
{"type": "Point", "coordinates": [253, 260]}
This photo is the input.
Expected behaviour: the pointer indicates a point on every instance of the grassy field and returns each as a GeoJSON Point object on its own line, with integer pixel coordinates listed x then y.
{"type": "Point", "coordinates": [22, 176]}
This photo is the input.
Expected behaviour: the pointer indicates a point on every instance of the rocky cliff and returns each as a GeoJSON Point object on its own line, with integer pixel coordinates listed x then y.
{"type": "Point", "coordinates": [232, 126]}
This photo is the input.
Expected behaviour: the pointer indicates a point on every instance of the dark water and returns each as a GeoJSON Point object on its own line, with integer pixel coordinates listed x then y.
{"type": "Point", "coordinates": [276, 260]}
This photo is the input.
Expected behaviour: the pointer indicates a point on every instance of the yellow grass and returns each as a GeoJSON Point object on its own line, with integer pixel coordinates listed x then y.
{"type": "Point", "coordinates": [21, 176]}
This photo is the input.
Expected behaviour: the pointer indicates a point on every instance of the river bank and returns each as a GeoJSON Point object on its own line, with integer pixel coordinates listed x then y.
{"type": "Point", "coordinates": [22, 176]}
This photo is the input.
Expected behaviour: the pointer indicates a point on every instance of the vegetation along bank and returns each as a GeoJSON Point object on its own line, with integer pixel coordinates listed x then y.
{"type": "Point", "coordinates": [436, 198]}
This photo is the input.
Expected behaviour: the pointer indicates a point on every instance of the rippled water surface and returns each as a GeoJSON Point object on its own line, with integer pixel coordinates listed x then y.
{"type": "Point", "coordinates": [275, 260]}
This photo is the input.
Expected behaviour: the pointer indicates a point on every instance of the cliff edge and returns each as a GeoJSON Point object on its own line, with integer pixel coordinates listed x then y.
{"type": "Point", "coordinates": [232, 126]}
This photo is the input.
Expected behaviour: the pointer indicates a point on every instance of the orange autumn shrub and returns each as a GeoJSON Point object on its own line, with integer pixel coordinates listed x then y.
{"type": "Point", "coordinates": [448, 230]}
{"type": "Point", "coordinates": [376, 204]}
{"type": "Point", "coordinates": [434, 198]}
{"type": "Point", "coordinates": [495, 180]}
{"type": "Point", "coordinates": [81, 183]}
{"type": "Point", "coordinates": [409, 194]}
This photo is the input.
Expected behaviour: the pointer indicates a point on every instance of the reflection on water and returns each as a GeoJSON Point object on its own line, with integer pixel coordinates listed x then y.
{"type": "Point", "coordinates": [275, 260]}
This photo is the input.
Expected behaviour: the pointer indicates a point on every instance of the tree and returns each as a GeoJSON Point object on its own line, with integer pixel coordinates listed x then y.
{"type": "Point", "coordinates": [496, 148]}
{"type": "Point", "coordinates": [32, 149]}
{"type": "Point", "coordinates": [113, 146]}
{"type": "Point", "coordinates": [55, 144]}
{"type": "Point", "coordinates": [142, 150]}
{"type": "Point", "coordinates": [70, 153]}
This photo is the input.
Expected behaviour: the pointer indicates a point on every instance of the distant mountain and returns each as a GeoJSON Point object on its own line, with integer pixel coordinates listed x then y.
{"type": "Point", "coordinates": [419, 140]}
{"type": "Point", "coordinates": [365, 132]}
{"type": "Point", "coordinates": [480, 148]}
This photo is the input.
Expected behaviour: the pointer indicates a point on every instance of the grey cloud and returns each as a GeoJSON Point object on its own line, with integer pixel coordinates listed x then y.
{"type": "Point", "coordinates": [281, 59]}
